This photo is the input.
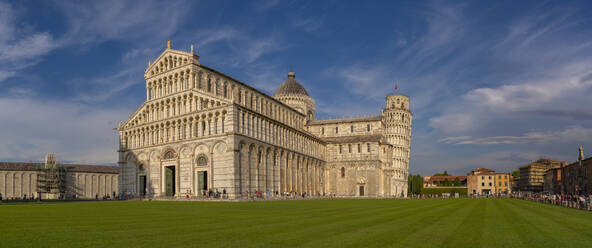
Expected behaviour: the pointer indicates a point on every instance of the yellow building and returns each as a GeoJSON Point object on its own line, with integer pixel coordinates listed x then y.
{"type": "Point", "coordinates": [503, 182]}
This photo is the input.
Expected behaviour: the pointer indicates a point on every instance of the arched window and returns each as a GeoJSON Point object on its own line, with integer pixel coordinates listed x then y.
{"type": "Point", "coordinates": [368, 127]}
{"type": "Point", "coordinates": [351, 128]}
{"type": "Point", "coordinates": [342, 172]}
{"type": "Point", "coordinates": [336, 129]}
{"type": "Point", "coordinates": [322, 131]}
{"type": "Point", "coordinates": [202, 161]}
{"type": "Point", "coordinates": [359, 148]}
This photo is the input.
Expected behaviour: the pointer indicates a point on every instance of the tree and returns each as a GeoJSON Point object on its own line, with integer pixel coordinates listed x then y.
{"type": "Point", "coordinates": [442, 174]}
{"type": "Point", "coordinates": [414, 184]}
{"type": "Point", "coordinates": [516, 173]}
{"type": "Point", "coordinates": [457, 182]}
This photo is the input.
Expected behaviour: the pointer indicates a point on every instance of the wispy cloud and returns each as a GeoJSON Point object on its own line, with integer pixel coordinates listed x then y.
{"type": "Point", "coordinates": [308, 24]}
{"type": "Point", "coordinates": [122, 20]}
{"type": "Point", "coordinates": [20, 47]}
{"type": "Point", "coordinates": [79, 133]}
{"type": "Point", "coordinates": [570, 134]}
{"type": "Point", "coordinates": [246, 47]}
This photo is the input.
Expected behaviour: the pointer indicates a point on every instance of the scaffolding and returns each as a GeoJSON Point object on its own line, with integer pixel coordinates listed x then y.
{"type": "Point", "coordinates": [51, 180]}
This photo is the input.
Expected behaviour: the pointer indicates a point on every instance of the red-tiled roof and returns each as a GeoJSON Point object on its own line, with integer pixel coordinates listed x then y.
{"type": "Point", "coordinates": [443, 178]}
{"type": "Point", "coordinates": [24, 166]}
{"type": "Point", "coordinates": [345, 120]}
{"type": "Point", "coordinates": [352, 139]}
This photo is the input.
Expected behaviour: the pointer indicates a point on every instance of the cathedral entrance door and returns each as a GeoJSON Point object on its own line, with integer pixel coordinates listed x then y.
{"type": "Point", "coordinates": [170, 180]}
{"type": "Point", "coordinates": [361, 190]}
{"type": "Point", "coordinates": [202, 181]}
{"type": "Point", "coordinates": [142, 185]}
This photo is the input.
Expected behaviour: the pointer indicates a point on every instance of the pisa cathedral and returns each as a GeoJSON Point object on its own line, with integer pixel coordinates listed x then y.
{"type": "Point", "coordinates": [201, 130]}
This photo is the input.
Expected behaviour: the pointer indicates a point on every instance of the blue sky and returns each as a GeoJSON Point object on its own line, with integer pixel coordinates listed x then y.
{"type": "Point", "coordinates": [492, 84]}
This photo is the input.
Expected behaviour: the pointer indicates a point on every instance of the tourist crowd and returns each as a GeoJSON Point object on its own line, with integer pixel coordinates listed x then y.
{"type": "Point", "coordinates": [565, 200]}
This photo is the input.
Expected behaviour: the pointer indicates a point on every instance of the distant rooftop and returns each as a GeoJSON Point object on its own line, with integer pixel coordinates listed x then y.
{"type": "Point", "coordinates": [346, 120]}
{"type": "Point", "coordinates": [26, 166]}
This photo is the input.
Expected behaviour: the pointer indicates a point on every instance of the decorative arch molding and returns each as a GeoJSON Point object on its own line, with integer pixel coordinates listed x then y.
{"type": "Point", "coordinates": [202, 148]}
{"type": "Point", "coordinates": [185, 151]}
{"type": "Point", "coordinates": [154, 155]}
{"type": "Point", "coordinates": [362, 180]}
{"type": "Point", "coordinates": [130, 156]}
{"type": "Point", "coordinates": [220, 147]}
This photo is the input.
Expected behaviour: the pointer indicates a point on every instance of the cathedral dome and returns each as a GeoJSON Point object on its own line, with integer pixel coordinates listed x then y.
{"type": "Point", "coordinates": [290, 87]}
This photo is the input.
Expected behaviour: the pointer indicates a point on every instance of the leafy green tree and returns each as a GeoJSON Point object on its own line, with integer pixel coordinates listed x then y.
{"type": "Point", "coordinates": [414, 184]}
{"type": "Point", "coordinates": [442, 174]}
{"type": "Point", "coordinates": [516, 173]}
{"type": "Point", "coordinates": [457, 182]}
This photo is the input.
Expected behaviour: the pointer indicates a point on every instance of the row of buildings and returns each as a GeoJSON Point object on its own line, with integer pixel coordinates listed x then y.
{"type": "Point", "coordinates": [551, 176]}
{"type": "Point", "coordinates": [481, 181]}
{"type": "Point", "coordinates": [543, 175]}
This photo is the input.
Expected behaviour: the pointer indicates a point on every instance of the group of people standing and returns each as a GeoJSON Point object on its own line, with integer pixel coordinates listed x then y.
{"type": "Point", "coordinates": [566, 200]}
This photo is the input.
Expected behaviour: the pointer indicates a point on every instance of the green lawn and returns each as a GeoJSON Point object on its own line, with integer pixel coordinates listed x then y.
{"type": "Point", "coordinates": [320, 223]}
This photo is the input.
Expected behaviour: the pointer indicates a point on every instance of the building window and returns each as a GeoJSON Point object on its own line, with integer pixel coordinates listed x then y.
{"type": "Point", "coordinates": [482, 178]}
{"type": "Point", "coordinates": [368, 127]}
{"type": "Point", "coordinates": [336, 129]}
{"type": "Point", "coordinates": [349, 148]}
{"type": "Point", "coordinates": [505, 183]}
{"type": "Point", "coordinates": [489, 177]}
{"type": "Point", "coordinates": [368, 147]}
{"type": "Point", "coordinates": [339, 149]}
{"type": "Point", "coordinates": [506, 177]}
{"type": "Point", "coordinates": [500, 184]}
{"type": "Point", "coordinates": [489, 184]}
{"type": "Point", "coordinates": [342, 172]}
{"type": "Point", "coordinates": [351, 128]}
{"type": "Point", "coordinates": [482, 184]}
{"type": "Point", "coordinates": [322, 131]}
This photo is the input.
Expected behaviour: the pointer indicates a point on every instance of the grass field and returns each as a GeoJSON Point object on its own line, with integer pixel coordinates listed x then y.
{"type": "Point", "coordinates": [318, 223]}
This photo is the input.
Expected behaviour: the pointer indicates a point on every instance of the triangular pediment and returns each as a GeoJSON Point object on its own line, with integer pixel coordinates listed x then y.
{"type": "Point", "coordinates": [134, 119]}
{"type": "Point", "coordinates": [169, 60]}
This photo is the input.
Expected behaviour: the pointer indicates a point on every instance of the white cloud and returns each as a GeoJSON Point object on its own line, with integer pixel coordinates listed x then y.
{"type": "Point", "coordinates": [246, 47]}
{"type": "Point", "coordinates": [307, 24]}
{"type": "Point", "coordinates": [97, 21]}
{"type": "Point", "coordinates": [78, 133]}
{"type": "Point", "coordinates": [567, 135]}
{"type": "Point", "coordinates": [449, 140]}
{"type": "Point", "coordinates": [19, 46]}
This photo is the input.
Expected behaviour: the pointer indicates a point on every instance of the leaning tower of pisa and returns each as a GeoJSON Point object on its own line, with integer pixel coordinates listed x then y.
{"type": "Point", "coordinates": [397, 118]}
